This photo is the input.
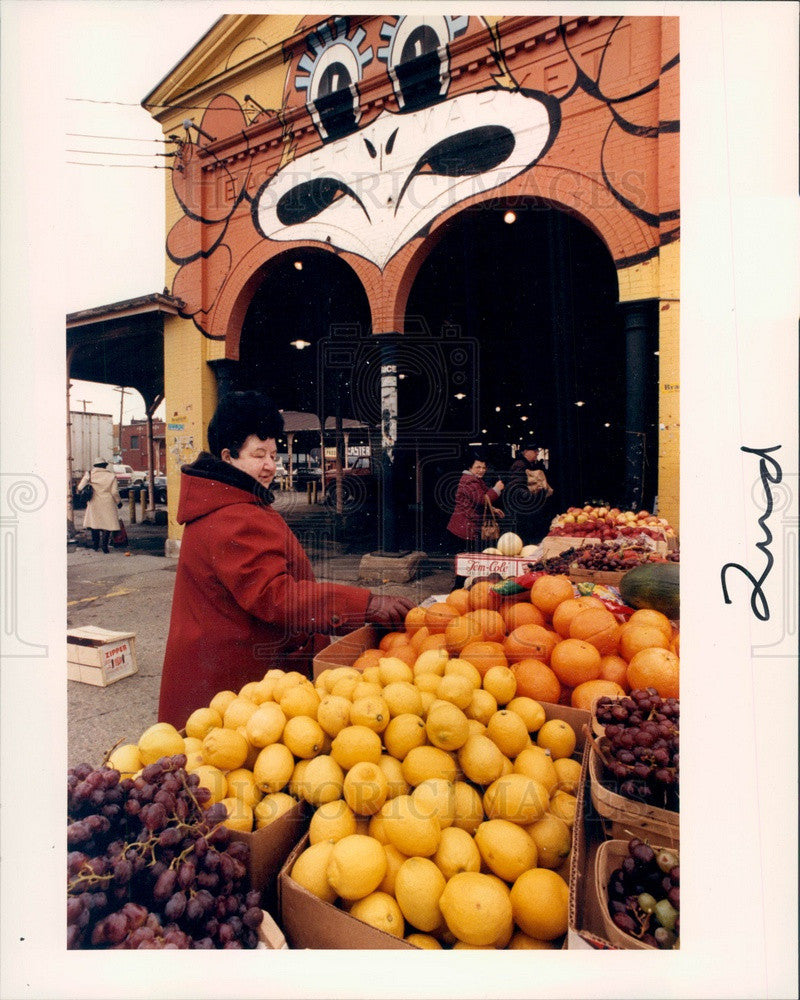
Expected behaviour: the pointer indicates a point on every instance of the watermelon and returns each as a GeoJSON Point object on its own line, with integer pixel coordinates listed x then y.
{"type": "Point", "coordinates": [653, 585]}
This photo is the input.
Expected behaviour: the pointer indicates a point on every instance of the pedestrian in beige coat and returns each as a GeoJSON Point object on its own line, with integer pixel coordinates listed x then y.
{"type": "Point", "coordinates": [101, 511]}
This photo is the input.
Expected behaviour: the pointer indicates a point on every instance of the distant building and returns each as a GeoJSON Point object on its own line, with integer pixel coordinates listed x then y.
{"type": "Point", "coordinates": [134, 445]}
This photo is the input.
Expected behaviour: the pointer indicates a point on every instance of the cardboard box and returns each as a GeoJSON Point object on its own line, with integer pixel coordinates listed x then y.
{"type": "Point", "coordinates": [344, 651]}
{"type": "Point", "coordinates": [481, 564]}
{"type": "Point", "coordinates": [310, 922]}
{"type": "Point", "coordinates": [100, 657]}
{"type": "Point", "coordinates": [623, 817]}
{"type": "Point", "coordinates": [269, 848]}
{"type": "Point", "coordinates": [609, 578]}
{"type": "Point", "coordinates": [270, 936]}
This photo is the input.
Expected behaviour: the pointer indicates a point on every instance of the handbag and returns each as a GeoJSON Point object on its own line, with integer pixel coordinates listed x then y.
{"type": "Point", "coordinates": [537, 482]}
{"type": "Point", "coordinates": [490, 529]}
{"type": "Point", "coordinates": [120, 537]}
{"type": "Point", "coordinates": [86, 493]}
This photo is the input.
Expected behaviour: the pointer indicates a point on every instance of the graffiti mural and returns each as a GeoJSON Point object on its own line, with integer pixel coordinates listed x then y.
{"type": "Point", "coordinates": [389, 124]}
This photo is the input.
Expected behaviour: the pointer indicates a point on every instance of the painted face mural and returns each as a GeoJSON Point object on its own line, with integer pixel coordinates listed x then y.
{"type": "Point", "coordinates": [387, 123]}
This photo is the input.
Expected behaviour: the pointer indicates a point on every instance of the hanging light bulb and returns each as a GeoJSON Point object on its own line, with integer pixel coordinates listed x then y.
{"type": "Point", "coordinates": [510, 217]}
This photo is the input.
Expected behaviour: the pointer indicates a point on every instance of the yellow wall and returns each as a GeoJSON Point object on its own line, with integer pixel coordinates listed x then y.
{"type": "Point", "coordinates": [669, 386]}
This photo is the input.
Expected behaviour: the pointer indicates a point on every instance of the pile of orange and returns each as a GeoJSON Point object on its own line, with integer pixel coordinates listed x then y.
{"type": "Point", "coordinates": [561, 648]}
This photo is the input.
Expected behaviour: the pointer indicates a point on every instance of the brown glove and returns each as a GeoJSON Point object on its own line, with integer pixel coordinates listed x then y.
{"type": "Point", "coordinates": [387, 610]}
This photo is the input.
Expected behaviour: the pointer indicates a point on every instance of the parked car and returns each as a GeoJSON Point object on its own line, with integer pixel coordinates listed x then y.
{"type": "Point", "coordinates": [160, 488]}
{"type": "Point", "coordinates": [124, 474]}
{"type": "Point", "coordinates": [305, 474]}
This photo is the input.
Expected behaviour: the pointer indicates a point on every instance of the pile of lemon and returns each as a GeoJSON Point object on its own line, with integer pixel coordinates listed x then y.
{"type": "Point", "coordinates": [443, 802]}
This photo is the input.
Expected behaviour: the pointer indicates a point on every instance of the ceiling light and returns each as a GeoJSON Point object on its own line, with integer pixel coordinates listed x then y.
{"type": "Point", "coordinates": [510, 217]}
{"type": "Point", "coordinates": [460, 395]}
{"type": "Point", "coordinates": [300, 344]}
{"type": "Point", "coordinates": [580, 402]}
{"type": "Point", "coordinates": [497, 409]}
{"type": "Point", "coordinates": [606, 425]}
{"type": "Point", "coordinates": [298, 265]}
{"type": "Point", "coordinates": [523, 418]}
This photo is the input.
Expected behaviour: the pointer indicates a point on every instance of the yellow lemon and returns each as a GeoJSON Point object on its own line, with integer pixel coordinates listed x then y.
{"type": "Point", "coordinates": [375, 827]}
{"type": "Point", "coordinates": [371, 711]}
{"type": "Point", "coordinates": [428, 698]}
{"type": "Point", "coordinates": [403, 733]}
{"type": "Point", "coordinates": [501, 683]}
{"type": "Point", "coordinates": [225, 748]}
{"type": "Point", "coordinates": [296, 786]}
{"type": "Point", "coordinates": [159, 740]}
{"type": "Point", "coordinates": [540, 903]}
{"type": "Point", "coordinates": [530, 711]}
{"type": "Point", "coordinates": [508, 731]}
{"type": "Point", "coordinates": [344, 687]}
{"type": "Point", "coordinates": [476, 728]}
{"type": "Point", "coordinates": [242, 785]}
{"type": "Point", "coordinates": [520, 940]}
{"type": "Point", "coordinates": [457, 852]}
{"type": "Point", "coordinates": [371, 674]}
{"type": "Point", "coordinates": [392, 668]}
{"type": "Point", "coordinates": [455, 688]}
{"type": "Point", "coordinates": [125, 759]}
{"type": "Point", "coordinates": [322, 780]}
{"type": "Point", "coordinates": [310, 870]}
{"type": "Point", "coordinates": [201, 721]}
{"type": "Point", "coordinates": [482, 706]}
{"type": "Point", "coordinates": [423, 941]}
{"type": "Point", "coordinates": [333, 713]}
{"type": "Point", "coordinates": [517, 798]}
{"type": "Point", "coordinates": [214, 780]}
{"type": "Point", "coordinates": [537, 763]}
{"type": "Point", "coordinates": [447, 726]}
{"type": "Point", "coordinates": [569, 774]}
{"type": "Point", "coordinates": [468, 814]}
{"type": "Point", "coordinates": [265, 725]}
{"type": "Point", "coordinates": [240, 815]}
{"type": "Point", "coordinates": [380, 910]}
{"type": "Point", "coordinates": [272, 807]}
{"type": "Point", "coordinates": [427, 684]}
{"type": "Point", "coordinates": [303, 736]}
{"type": "Point", "coordinates": [506, 849]}
{"type": "Point", "coordinates": [286, 681]}
{"type": "Point", "coordinates": [356, 866]}
{"type": "Point", "coordinates": [366, 689]}
{"type": "Point", "coordinates": [335, 674]}
{"type": "Point", "coordinates": [392, 769]}
{"type": "Point", "coordinates": [558, 737]}
{"type": "Point", "coordinates": [246, 691]}
{"type": "Point", "coordinates": [437, 797]}
{"type": "Point", "coordinates": [191, 744]}
{"type": "Point", "coordinates": [418, 887]}
{"type": "Point", "coordinates": [365, 788]}
{"type": "Point", "coordinates": [411, 832]}
{"type": "Point", "coordinates": [331, 821]}
{"type": "Point", "coordinates": [481, 760]}
{"type": "Point", "coordinates": [563, 805]}
{"type": "Point", "coordinates": [463, 668]}
{"type": "Point", "coordinates": [428, 762]}
{"type": "Point", "coordinates": [354, 744]}
{"type": "Point", "coordinates": [300, 699]}
{"type": "Point", "coordinates": [273, 768]}
{"type": "Point", "coordinates": [477, 909]}
{"type": "Point", "coordinates": [553, 840]}
{"type": "Point", "coordinates": [261, 691]}
{"type": "Point", "coordinates": [402, 698]}
{"type": "Point", "coordinates": [394, 860]}
{"type": "Point", "coordinates": [238, 712]}
{"type": "Point", "coordinates": [431, 661]}
{"type": "Point", "coordinates": [221, 700]}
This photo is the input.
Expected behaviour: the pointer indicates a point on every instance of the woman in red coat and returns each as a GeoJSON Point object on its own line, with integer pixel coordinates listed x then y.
{"type": "Point", "coordinates": [464, 526]}
{"type": "Point", "coordinates": [245, 596]}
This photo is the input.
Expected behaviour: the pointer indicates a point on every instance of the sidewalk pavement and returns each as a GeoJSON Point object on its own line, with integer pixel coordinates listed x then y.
{"type": "Point", "coordinates": [130, 590]}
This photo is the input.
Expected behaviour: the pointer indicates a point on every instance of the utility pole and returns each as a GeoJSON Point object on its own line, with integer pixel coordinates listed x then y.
{"type": "Point", "coordinates": [84, 401]}
{"type": "Point", "coordinates": [121, 390]}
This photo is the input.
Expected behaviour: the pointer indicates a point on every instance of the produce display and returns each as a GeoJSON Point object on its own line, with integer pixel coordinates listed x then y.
{"type": "Point", "coordinates": [150, 867]}
{"type": "Point", "coordinates": [610, 523]}
{"type": "Point", "coordinates": [612, 556]}
{"type": "Point", "coordinates": [644, 895]}
{"type": "Point", "coordinates": [640, 746]}
{"type": "Point", "coordinates": [655, 587]}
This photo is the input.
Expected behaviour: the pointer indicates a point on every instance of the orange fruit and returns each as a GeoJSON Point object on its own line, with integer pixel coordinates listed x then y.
{"type": "Point", "coordinates": [459, 599]}
{"type": "Point", "coordinates": [530, 641]}
{"type": "Point", "coordinates": [483, 655]}
{"type": "Point", "coordinates": [391, 637]}
{"type": "Point", "coordinates": [597, 626]}
{"type": "Point", "coordinates": [658, 668]}
{"type": "Point", "coordinates": [490, 623]}
{"type": "Point", "coordinates": [536, 680]}
{"type": "Point", "coordinates": [433, 641]}
{"type": "Point", "coordinates": [414, 620]}
{"type": "Point", "coordinates": [584, 695]}
{"type": "Point", "coordinates": [521, 613]}
{"type": "Point", "coordinates": [564, 613]}
{"type": "Point", "coordinates": [460, 631]}
{"type": "Point", "coordinates": [404, 651]}
{"type": "Point", "coordinates": [574, 661]}
{"type": "Point", "coordinates": [438, 615]}
{"type": "Point", "coordinates": [614, 668]}
{"type": "Point", "coordinates": [419, 637]}
{"type": "Point", "coordinates": [648, 616]}
{"type": "Point", "coordinates": [548, 592]}
{"type": "Point", "coordinates": [634, 638]}
{"type": "Point", "coordinates": [369, 658]}
{"type": "Point", "coordinates": [481, 595]}
{"type": "Point", "coordinates": [675, 645]}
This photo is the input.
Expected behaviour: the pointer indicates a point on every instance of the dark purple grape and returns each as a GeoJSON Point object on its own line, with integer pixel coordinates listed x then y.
{"type": "Point", "coordinates": [123, 872]}
{"type": "Point", "coordinates": [75, 861]}
{"type": "Point", "coordinates": [186, 874]}
{"type": "Point", "coordinates": [175, 906]}
{"type": "Point", "coordinates": [194, 910]}
{"type": "Point", "coordinates": [165, 885]}
{"type": "Point", "coordinates": [74, 936]}
{"type": "Point", "coordinates": [82, 771]}
{"type": "Point", "coordinates": [674, 896]}
{"type": "Point", "coordinates": [166, 799]}
{"type": "Point", "coordinates": [252, 917]}
{"type": "Point", "coordinates": [628, 865]}
{"type": "Point", "coordinates": [136, 914]}
{"type": "Point", "coordinates": [625, 922]}
{"type": "Point", "coordinates": [225, 934]}
{"type": "Point", "coordinates": [675, 875]}
{"type": "Point", "coordinates": [75, 908]}
{"type": "Point", "coordinates": [208, 880]}
{"type": "Point", "coordinates": [204, 943]}
{"type": "Point", "coordinates": [643, 853]}
{"type": "Point", "coordinates": [78, 833]}
{"type": "Point", "coordinates": [212, 927]}
{"type": "Point", "coordinates": [170, 837]}
{"type": "Point", "coordinates": [650, 939]}
{"type": "Point", "coordinates": [132, 807]}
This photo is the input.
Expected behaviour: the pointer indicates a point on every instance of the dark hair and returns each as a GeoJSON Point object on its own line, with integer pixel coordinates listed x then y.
{"type": "Point", "coordinates": [240, 414]}
{"type": "Point", "coordinates": [530, 446]}
{"type": "Point", "coordinates": [475, 456]}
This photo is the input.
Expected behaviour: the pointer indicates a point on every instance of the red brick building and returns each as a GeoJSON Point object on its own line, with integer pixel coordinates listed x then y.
{"type": "Point", "coordinates": [134, 445]}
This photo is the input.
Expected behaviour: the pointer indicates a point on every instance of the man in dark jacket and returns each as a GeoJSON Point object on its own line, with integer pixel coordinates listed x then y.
{"type": "Point", "coordinates": [530, 510]}
{"type": "Point", "coordinates": [245, 597]}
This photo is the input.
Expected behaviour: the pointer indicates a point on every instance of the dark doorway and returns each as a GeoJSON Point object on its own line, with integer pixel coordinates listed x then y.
{"type": "Point", "coordinates": [535, 293]}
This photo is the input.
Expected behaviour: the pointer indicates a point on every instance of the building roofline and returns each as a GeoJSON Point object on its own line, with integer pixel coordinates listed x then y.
{"type": "Point", "coordinates": [155, 302]}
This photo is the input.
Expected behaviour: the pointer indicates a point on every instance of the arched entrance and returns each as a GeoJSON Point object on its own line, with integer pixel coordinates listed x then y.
{"type": "Point", "coordinates": [533, 292]}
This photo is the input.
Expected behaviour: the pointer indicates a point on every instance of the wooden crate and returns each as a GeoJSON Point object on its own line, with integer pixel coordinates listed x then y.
{"type": "Point", "coordinates": [100, 657]}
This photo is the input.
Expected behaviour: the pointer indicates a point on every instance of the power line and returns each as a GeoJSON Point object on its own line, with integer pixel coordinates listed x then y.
{"type": "Point", "coordinates": [99, 152]}
{"type": "Point", "coordinates": [132, 166]}
{"type": "Point", "coordinates": [115, 138]}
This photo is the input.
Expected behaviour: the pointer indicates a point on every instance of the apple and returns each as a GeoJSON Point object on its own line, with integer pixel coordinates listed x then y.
{"type": "Point", "coordinates": [582, 518]}
{"type": "Point", "coordinates": [569, 519]}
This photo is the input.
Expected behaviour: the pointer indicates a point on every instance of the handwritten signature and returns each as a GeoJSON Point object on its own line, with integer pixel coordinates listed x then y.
{"type": "Point", "coordinates": [770, 472]}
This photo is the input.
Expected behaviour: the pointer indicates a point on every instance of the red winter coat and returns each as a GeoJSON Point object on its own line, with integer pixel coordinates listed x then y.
{"type": "Point", "coordinates": [468, 512]}
{"type": "Point", "coordinates": [245, 593]}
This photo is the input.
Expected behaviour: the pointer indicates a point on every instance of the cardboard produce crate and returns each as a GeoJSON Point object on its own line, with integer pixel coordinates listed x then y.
{"type": "Point", "coordinates": [270, 936]}
{"type": "Point", "coordinates": [100, 657]}
{"type": "Point", "coordinates": [624, 817]}
{"type": "Point", "coordinates": [608, 578]}
{"type": "Point", "coordinates": [471, 564]}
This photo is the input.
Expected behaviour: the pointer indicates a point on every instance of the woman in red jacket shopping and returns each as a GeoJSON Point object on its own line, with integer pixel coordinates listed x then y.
{"type": "Point", "coordinates": [472, 494]}
{"type": "Point", "coordinates": [245, 597]}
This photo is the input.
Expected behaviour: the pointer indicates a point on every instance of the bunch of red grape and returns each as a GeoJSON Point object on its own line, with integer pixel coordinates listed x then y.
{"type": "Point", "coordinates": [640, 746]}
{"type": "Point", "coordinates": [611, 557]}
{"type": "Point", "coordinates": [644, 895]}
{"type": "Point", "coordinates": [148, 867]}
{"type": "Point", "coordinates": [555, 564]}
